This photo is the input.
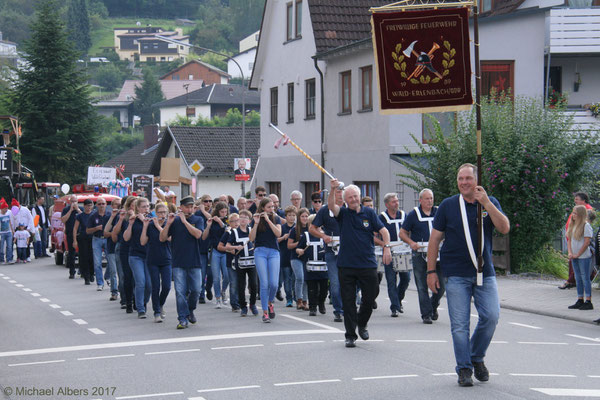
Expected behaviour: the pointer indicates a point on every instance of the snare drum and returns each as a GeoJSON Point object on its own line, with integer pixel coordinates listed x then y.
{"type": "Point", "coordinates": [316, 266]}
{"type": "Point", "coordinates": [424, 247]}
{"type": "Point", "coordinates": [334, 244]}
{"type": "Point", "coordinates": [402, 261]}
{"type": "Point", "coordinates": [246, 262]}
{"type": "Point", "coordinates": [379, 258]}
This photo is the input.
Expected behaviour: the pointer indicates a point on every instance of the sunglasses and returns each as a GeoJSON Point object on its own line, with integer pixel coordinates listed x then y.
{"type": "Point", "coordinates": [207, 201]}
{"type": "Point", "coordinates": [317, 201]}
{"type": "Point", "coordinates": [261, 195]}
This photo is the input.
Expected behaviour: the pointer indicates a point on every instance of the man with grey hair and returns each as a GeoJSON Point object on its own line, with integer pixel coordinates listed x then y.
{"type": "Point", "coordinates": [356, 258]}
{"type": "Point", "coordinates": [392, 218]}
{"type": "Point", "coordinates": [278, 209]}
{"type": "Point", "coordinates": [296, 199]}
{"type": "Point", "coordinates": [416, 229]}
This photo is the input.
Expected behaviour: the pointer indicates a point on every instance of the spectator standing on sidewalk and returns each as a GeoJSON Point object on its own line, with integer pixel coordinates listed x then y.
{"type": "Point", "coordinates": [41, 210]}
{"type": "Point", "coordinates": [579, 235]}
{"type": "Point", "coordinates": [581, 199]}
{"type": "Point", "coordinates": [21, 240]}
{"type": "Point", "coordinates": [24, 217]}
{"type": "Point", "coordinates": [6, 233]}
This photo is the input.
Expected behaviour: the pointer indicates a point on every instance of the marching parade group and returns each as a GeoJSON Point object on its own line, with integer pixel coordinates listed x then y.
{"type": "Point", "coordinates": [255, 249]}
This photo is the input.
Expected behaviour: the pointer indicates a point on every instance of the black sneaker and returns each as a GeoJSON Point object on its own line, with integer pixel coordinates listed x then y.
{"type": "Point", "coordinates": [201, 300]}
{"type": "Point", "coordinates": [71, 276]}
{"type": "Point", "coordinates": [363, 332]}
{"type": "Point", "coordinates": [427, 320]}
{"type": "Point", "coordinates": [87, 282]}
{"type": "Point", "coordinates": [481, 372]}
{"type": "Point", "coordinates": [209, 295]}
{"type": "Point", "coordinates": [192, 318]}
{"type": "Point", "coordinates": [587, 305]}
{"type": "Point", "coordinates": [182, 325]}
{"type": "Point", "coordinates": [597, 321]}
{"type": "Point", "coordinates": [278, 296]}
{"type": "Point", "coordinates": [141, 315]}
{"type": "Point", "coordinates": [337, 317]}
{"type": "Point", "coordinates": [271, 311]}
{"type": "Point", "coordinates": [374, 305]}
{"type": "Point", "coordinates": [350, 342]}
{"type": "Point", "coordinates": [401, 310]}
{"type": "Point", "coordinates": [435, 315]}
{"type": "Point", "coordinates": [312, 313]}
{"type": "Point", "coordinates": [322, 308]}
{"type": "Point", "coordinates": [123, 306]}
{"type": "Point", "coordinates": [92, 278]}
{"type": "Point", "coordinates": [465, 377]}
{"type": "Point", "coordinates": [394, 314]}
{"type": "Point", "coordinates": [129, 309]}
{"type": "Point", "coordinates": [577, 305]}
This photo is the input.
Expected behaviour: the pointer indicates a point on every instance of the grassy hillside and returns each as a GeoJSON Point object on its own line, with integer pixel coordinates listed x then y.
{"type": "Point", "coordinates": [103, 36]}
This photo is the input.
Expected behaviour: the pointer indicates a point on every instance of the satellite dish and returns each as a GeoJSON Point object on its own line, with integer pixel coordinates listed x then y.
{"type": "Point", "coordinates": [138, 23]}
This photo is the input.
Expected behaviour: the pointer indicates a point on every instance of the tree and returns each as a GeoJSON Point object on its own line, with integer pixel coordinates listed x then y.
{"type": "Point", "coordinates": [146, 95]}
{"type": "Point", "coordinates": [109, 76]}
{"type": "Point", "coordinates": [112, 141]}
{"type": "Point", "coordinates": [532, 163]}
{"type": "Point", "coordinates": [52, 101]}
{"type": "Point", "coordinates": [78, 22]}
{"type": "Point", "coordinates": [233, 117]}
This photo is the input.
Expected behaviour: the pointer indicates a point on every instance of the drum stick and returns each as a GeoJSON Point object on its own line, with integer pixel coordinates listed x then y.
{"type": "Point", "coordinates": [312, 160]}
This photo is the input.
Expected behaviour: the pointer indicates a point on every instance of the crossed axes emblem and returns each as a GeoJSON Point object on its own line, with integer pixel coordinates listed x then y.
{"type": "Point", "coordinates": [423, 60]}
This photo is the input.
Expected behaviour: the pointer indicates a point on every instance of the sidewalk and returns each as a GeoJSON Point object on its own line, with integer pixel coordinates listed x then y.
{"type": "Point", "coordinates": [543, 297]}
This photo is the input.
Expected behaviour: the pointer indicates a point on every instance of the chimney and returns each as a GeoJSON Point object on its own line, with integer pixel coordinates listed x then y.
{"type": "Point", "coordinates": [150, 136]}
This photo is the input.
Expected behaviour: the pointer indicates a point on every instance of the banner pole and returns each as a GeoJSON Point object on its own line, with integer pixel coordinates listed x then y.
{"type": "Point", "coordinates": [479, 149]}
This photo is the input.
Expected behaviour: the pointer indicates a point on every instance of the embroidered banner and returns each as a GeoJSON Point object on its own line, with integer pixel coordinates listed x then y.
{"type": "Point", "coordinates": [423, 60]}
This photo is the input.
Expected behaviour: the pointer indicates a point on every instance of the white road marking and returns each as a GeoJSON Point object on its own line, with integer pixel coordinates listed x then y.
{"type": "Point", "coordinates": [364, 378]}
{"type": "Point", "coordinates": [525, 325]}
{"type": "Point", "coordinates": [306, 342]}
{"type": "Point", "coordinates": [445, 374]}
{"type": "Point", "coordinates": [26, 290]}
{"type": "Point", "coordinates": [36, 363]}
{"type": "Point", "coordinates": [569, 392]}
{"type": "Point", "coordinates": [228, 388]}
{"type": "Point", "coordinates": [96, 331]}
{"type": "Point", "coordinates": [45, 300]}
{"type": "Point", "coordinates": [311, 322]}
{"type": "Point", "coordinates": [593, 376]}
{"type": "Point", "coordinates": [80, 321]}
{"type": "Point", "coordinates": [546, 375]}
{"type": "Point", "coordinates": [588, 344]}
{"type": "Point", "coordinates": [144, 396]}
{"type": "Point", "coordinates": [155, 342]}
{"type": "Point", "coordinates": [170, 352]}
{"type": "Point", "coordinates": [12, 281]}
{"type": "Point", "coordinates": [35, 294]}
{"type": "Point", "coordinates": [19, 285]}
{"type": "Point", "coordinates": [1, 274]}
{"type": "Point", "coordinates": [55, 306]}
{"type": "Point", "coordinates": [584, 337]}
{"type": "Point", "coordinates": [499, 342]}
{"type": "Point", "coordinates": [546, 343]}
{"type": "Point", "coordinates": [103, 357]}
{"type": "Point", "coordinates": [66, 313]}
{"type": "Point", "coordinates": [420, 341]}
{"type": "Point", "coordinates": [306, 382]}
{"type": "Point", "coordinates": [237, 347]}
{"type": "Point", "coordinates": [6, 277]}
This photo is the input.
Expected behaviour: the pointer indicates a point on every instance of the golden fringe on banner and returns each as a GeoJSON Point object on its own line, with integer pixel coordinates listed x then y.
{"type": "Point", "coordinates": [423, 4]}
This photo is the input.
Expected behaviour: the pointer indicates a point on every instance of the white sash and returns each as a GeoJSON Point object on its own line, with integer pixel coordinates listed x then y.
{"type": "Point", "coordinates": [429, 220]}
{"type": "Point", "coordinates": [395, 222]}
{"type": "Point", "coordinates": [314, 245]}
{"type": "Point", "coordinates": [244, 241]}
{"type": "Point", "coordinates": [463, 214]}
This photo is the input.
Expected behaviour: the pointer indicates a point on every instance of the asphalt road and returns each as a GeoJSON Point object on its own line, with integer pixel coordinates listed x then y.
{"type": "Point", "coordinates": [62, 340]}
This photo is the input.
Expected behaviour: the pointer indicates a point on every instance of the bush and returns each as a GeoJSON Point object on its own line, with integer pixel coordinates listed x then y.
{"type": "Point", "coordinates": [109, 76]}
{"type": "Point", "coordinates": [549, 261]}
{"type": "Point", "coordinates": [531, 163]}
{"type": "Point", "coordinates": [232, 118]}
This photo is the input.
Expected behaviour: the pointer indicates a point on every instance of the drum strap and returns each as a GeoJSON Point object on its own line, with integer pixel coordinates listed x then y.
{"type": "Point", "coordinates": [243, 240]}
{"type": "Point", "coordinates": [421, 218]}
{"type": "Point", "coordinates": [463, 214]}
{"type": "Point", "coordinates": [314, 245]}
{"type": "Point", "coordinates": [396, 222]}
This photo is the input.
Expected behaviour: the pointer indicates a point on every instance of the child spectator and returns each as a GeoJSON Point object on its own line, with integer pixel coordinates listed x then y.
{"type": "Point", "coordinates": [22, 239]}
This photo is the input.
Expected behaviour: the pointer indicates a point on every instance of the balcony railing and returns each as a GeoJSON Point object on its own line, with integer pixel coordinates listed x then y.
{"type": "Point", "coordinates": [573, 30]}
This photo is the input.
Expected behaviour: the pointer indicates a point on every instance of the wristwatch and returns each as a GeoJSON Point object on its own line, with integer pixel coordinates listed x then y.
{"type": "Point", "coordinates": [387, 245]}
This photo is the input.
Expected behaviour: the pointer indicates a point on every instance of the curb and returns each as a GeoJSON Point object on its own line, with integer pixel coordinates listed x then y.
{"type": "Point", "coordinates": [547, 313]}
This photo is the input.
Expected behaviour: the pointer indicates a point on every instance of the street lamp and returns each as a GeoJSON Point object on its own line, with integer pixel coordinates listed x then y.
{"type": "Point", "coordinates": [179, 42]}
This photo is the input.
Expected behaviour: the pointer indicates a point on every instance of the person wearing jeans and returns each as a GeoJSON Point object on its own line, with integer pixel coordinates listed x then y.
{"type": "Point", "coordinates": [6, 233]}
{"type": "Point", "coordinates": [138, 222]}
{"type": "Point", "coordinates": [215, 228]}
{"type": "Point", "coordinates": [234, 222]}
{"type": "Point", "coordinates": [456, 222]}
{"type": "Point", "coordinates": [286, 274]}
{"type": "Point", "coordinates": [300, 284]}
{"type": "Point", "coordinates": [202, 209]}
{"type": "Point", "coordinates": [111, 253]}
{"type": "Point", "coordinates": [185, 229]}
{"type": "Point", "coordinates": [579, 235]}
{"type": "Point", "coordinates": [158, 259]}
{"type": "Point", "coordinates": [95, 227]}
{"type": "Point", "coordinates": [265, 229]}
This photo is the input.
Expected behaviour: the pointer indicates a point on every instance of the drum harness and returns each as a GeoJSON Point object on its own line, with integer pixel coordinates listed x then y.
{"type": "Point", "coordinates": [429, 221]}
{"type": "Point", "coordinates": [315, 247]}
{"type": "Point", "coordinates": [244, 242]}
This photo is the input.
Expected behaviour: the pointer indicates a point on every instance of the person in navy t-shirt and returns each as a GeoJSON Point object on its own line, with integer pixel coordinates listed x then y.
{"type": "Point", "coordinates": [456, 221]}
{"type": "Point", "coordinates": [185, 229]}
{"type": "Point", "coordinates": [286, 273]}
{"type": "Point", "coordinates": [356, 259]}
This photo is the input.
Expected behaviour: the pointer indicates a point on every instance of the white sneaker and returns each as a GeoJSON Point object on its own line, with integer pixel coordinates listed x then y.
{"type": "Point", "coordinates": [100, 288]}
{"type": "Point", "coordinates": [157, 319]}
{"type": "Point", "coordinates": [28, 259]}
{"type": "Point", "coordinates": [163, 314]}
{"type": "Point", "coordinates": [219, 304]}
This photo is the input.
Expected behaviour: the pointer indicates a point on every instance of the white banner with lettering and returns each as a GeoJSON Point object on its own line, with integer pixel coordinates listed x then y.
{"type": "Point", "coordinates": [101, 175]}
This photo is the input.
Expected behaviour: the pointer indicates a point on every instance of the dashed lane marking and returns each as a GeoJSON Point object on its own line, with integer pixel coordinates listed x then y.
{"type": "Point", "coordinates": [35, 294]}
{"type": "Point", "coordinates": [104, 357]}
{"type": "Point", "coordinates": [223, 389]}
{"type": "Point", "coordinates": [524, 325]}
{"type": "Point", "coordinates": [45, 300]}
{"type": "Point", "coordinates": [26, 290]}
{"type": "Point", "coordinates": [365, 378]}
{"type": "Point", "coordinates": [12, 281]}
{"type": "Point", "coordinates": [584, 337]}
{"type": "Point", "coordinates": [307, 382]}
{"type": "Point", "coordinates": [237, 347]}
{"type": "Point", "coordinates": [311, 322]}
{"type": "Point", "coordinates": [545, 343]}
{"type": "Point", "coordinates": [170, 352]}
{"type": "Point", "coordinates": [546, 375]}
{"type": "Point", "coordinates": [305, 342]}
{"type": "Point", "coordinates": [55, 306]}
{"type": "Point", "coordinates": [19, 285]}
{"type": "Point", "coordinates": [36, 363]}
{"type": "Point", "coordinates": [96, 331]}
{"type": "Point", "coordinates": [79, 321]}
{"type": "Point", "coordinates": [145, 396]}
{"type": "Point", "coordinates": [420, 341]}
{"type": "Point", "coordinates": [569, 392]}
{"type": "Point", "coordinates": [66, 313]}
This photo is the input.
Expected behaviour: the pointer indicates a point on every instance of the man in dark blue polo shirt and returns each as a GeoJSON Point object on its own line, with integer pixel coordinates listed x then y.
{"type": "Point", "coordinates": [456, 220]}
{"type": "Point", "coordinates": [68, 215]}
{"type": "Point", "coordinates": [418, 224]}
{"type": "Point", "coordinates": [184, 229]}
{"type": "Point", "coordinates": [326, 227]}
{"type": "Point", "coordinates": [356, 259]}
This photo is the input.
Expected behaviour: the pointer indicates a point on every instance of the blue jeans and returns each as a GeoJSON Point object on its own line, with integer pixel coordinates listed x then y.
{"type": "Point", "coordinates": [396, 292]}
{"type": "Point", "coordinates": [204, 271]}
{"type": "Point", "coordinates": [187, 290]}
{"type": "Point", "coordinates": [22, 253]}
{"type": "Point", "coordinates": [334, 281]}
{"type": "Point", "coordinates": [98, 245]}
{"type": "Point", "coordinates": [37, 248]}
{"type": "Point", "coordinates": [459, 291]}
{"type": "Point", "coordinates": [111, 272]}
{"type": "Point", "coordinates": [120, 273]}
{"type": "Point", "coordinates": [581, 269]}
{"type": "Point", "coordinates": [160, 275]}
{"type": "Point", "coordinates": [267, 267]}
{"type": "Point", "coordinates": [6, 241]}
{"type": "Point", "coordinates": [143, 284]}
{"type": "Point", "coordinates": [300, 287]}
{"type": "Point", "coordinates": [287, 277]}
{"type": "Point", "coordinates": [44, 238]}
{"type": "Point", "coordinates": [426, 304]}
{"type": "Point", "coordinates": [233, 290]}
{"type": "Point", "coordinates": [218, 265]}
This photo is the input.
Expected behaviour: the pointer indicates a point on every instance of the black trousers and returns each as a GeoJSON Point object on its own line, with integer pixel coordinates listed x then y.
{"type": "Point", "coordinates": [70, 255]}
{"type": "Point", "coordinates": [317, 292]}
{"type": "Point", "coordinates": [128, 282]}
{"type": "Point", "coordinates": [369, 285]}
{"type": "Point", "coordinates": [241, 285]}
{"type": "Point", "coordinates": [86, 256]}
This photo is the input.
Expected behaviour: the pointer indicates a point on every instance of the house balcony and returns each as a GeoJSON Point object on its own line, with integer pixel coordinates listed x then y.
{"type": "Point", "coordinates": [573, 31]}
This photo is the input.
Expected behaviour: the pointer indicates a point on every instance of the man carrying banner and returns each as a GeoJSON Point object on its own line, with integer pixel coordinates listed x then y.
{"type": "Point", "coordinates": [456, 220]}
